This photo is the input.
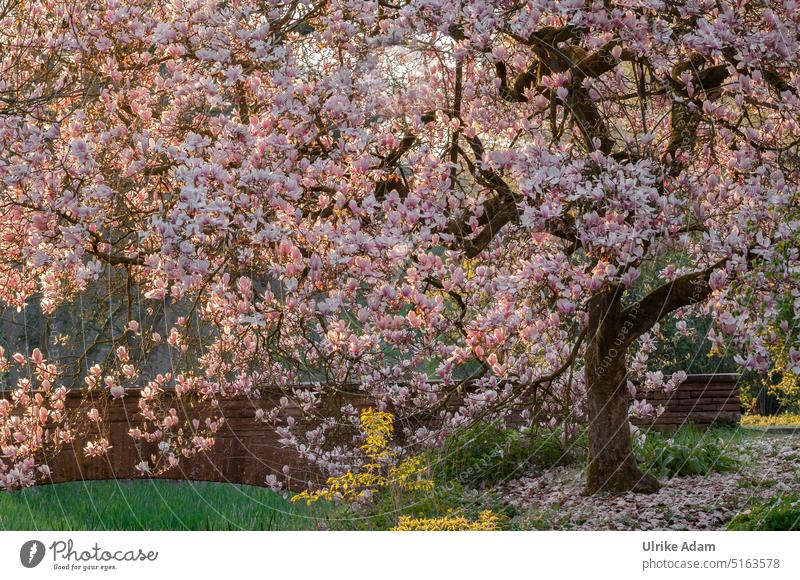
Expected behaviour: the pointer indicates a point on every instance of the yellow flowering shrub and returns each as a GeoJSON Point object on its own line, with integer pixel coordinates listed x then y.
{"type": "Point", "coordinates": [377, 428]}
{"type": "Point", "coordinates": [782, 420]}
{"type": "Point", "coordinates": [787, 389]}
{"type": "Point", "coordinates": [487, 521]}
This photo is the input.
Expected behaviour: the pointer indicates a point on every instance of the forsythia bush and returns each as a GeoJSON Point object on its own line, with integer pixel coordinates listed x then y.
{"type": "Point", "coordinates": [787, 390]}
{"type": "Point", "coordinates": [407, 475]}
{"type": "Point", "coordinates": [487, 521]}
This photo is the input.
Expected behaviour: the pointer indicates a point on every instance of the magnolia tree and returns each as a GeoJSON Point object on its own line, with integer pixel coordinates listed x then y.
{"type": "Point", "coordinates": [453, 209]}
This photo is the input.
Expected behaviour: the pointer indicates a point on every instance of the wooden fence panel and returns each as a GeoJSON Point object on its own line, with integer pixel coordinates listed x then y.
{"type": "Point", "coordinates": [247, 451]}
{"type": "Point", "coordinates": [701, 400]}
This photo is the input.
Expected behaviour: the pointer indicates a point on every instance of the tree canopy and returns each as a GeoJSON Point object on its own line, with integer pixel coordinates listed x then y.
{"type": "Point", "coordinates": [445, 206]}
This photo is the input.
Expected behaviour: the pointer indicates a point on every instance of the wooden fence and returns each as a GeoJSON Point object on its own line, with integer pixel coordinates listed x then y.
{"type": "Point", "coordinates": [247, 451]}
{"type": "Point", "coordinates": [701, 400]}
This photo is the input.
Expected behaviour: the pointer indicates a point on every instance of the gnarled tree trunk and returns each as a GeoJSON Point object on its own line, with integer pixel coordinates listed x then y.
{"type": "Point", "coordinates": [612, 466]}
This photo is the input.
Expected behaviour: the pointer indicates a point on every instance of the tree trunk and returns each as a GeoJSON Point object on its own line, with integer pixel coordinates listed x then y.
{"type": "Point", "coordinates": [612, 466]}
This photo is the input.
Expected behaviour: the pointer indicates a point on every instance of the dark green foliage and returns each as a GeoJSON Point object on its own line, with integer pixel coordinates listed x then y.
{"type": "Point", "coordinates": [688, 451]}
{"type": "Point", "coordinates": [487, 453]}
{"type": "Point", "coordinates": [691, 352]}
{"type": "Point", "coordinates": [777, 514]}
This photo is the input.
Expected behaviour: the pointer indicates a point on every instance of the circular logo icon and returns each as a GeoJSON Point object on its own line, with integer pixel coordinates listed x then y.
{"type": "Point", "coordinates": [31, 553]}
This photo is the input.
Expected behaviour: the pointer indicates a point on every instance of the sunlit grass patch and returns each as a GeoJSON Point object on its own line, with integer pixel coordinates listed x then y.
{"type": "Point", "coordinates": [783, 420]}
{"type": "Point", "coordinates": [152, 505]}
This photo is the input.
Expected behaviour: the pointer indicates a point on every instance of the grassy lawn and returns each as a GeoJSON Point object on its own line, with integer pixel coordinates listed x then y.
{"type": "Point", "coordinates": [151, 505]}
{"type": "Point", "coordinates": [474, 471]}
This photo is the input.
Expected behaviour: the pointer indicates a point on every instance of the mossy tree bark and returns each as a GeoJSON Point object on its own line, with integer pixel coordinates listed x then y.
{"type": "Point", "coordinates": [612, 466]}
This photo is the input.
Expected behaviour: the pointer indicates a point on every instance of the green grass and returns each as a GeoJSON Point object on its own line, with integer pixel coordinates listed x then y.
{"type": "Point", "coordinates": [152, 505]}
{"type": "Point", "coordinates": [460, 468]}
{"type": "Point", "coordinates": [777, 514]}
